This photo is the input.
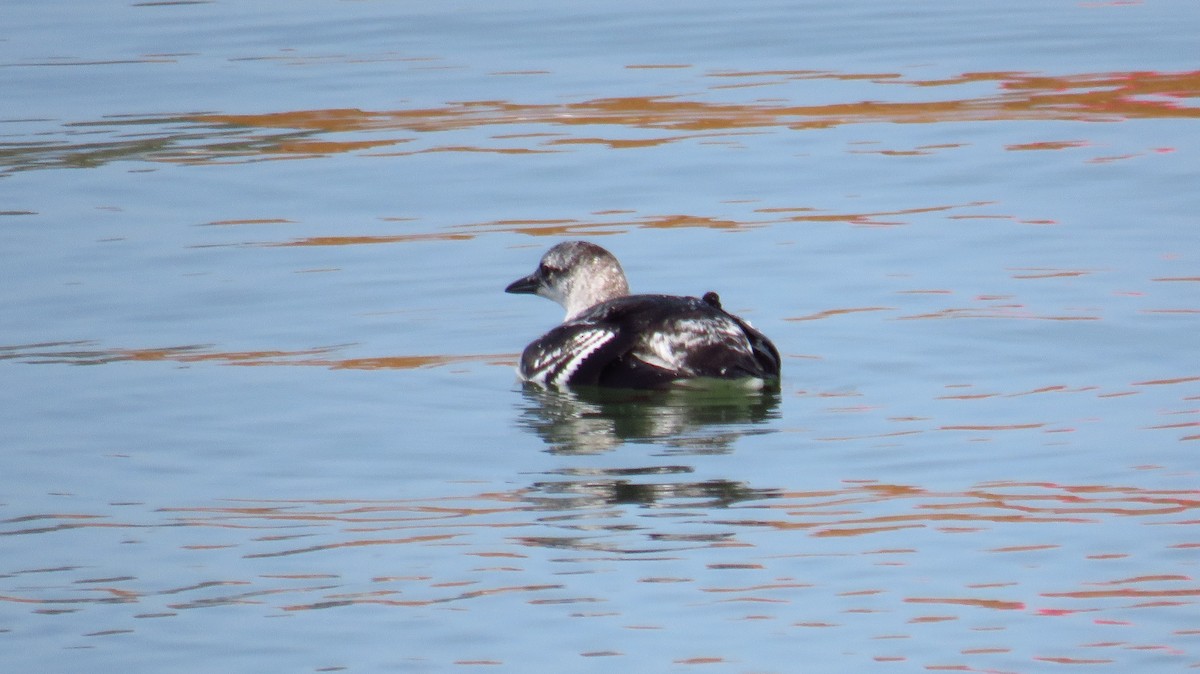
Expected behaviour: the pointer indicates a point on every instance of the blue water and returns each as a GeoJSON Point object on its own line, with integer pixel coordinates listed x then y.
{"type": "Point", "coordinates": [257, 400]}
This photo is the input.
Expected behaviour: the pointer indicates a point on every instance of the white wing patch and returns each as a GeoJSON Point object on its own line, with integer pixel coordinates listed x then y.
{"type": "Point", "coordinates": [670, 349]}
{"type": "Point", "coordinates": [554, 366]}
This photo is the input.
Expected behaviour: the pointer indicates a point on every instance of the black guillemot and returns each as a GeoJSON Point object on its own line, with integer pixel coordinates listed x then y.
{"type": "Point", "coordinates": [611, 338]}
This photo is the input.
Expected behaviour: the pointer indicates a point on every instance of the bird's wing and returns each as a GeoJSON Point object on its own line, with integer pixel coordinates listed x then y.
{"type": "Point", "coordinates": [572, 353]}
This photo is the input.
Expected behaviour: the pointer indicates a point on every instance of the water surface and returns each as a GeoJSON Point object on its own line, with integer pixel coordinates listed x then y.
{"type": "Point", "coordinates": [258, 408]}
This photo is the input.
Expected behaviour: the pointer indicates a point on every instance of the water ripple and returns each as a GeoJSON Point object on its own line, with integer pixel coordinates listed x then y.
{"type": "Point", "coordinates": [217, 137]}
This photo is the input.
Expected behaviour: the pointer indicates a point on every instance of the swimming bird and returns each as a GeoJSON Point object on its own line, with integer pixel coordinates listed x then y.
{"type": "Point", "coordinates": [614, 339]}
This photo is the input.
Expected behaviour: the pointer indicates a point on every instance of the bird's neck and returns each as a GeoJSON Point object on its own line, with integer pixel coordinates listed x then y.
{"type": "Point", "coordinates": [580, 299]}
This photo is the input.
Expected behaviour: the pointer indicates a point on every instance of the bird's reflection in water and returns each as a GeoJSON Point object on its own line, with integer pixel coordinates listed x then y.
{"type": "Point", "coordinates": [583, 500]}
{"type": "Point", "coordinates": [571, 495]}
{"type": "Point", "coordinates": [700, 419]}
{"type": "Point", "coordinates": [692, 421]}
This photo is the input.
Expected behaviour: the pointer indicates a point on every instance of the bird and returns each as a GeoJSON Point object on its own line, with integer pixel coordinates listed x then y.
{"type": "Point", "coordinates": [610, 338]}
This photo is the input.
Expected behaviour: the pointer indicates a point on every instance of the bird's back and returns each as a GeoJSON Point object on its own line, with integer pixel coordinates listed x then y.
{"type": "Point", "coordinates": [641, 341]}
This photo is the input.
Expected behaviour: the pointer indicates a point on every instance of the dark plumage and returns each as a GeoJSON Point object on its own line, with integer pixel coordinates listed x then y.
{"type": "Point", "coordinates": [612, 338]}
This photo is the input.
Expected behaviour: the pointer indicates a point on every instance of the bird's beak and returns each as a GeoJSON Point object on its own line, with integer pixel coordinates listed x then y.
{"type": "Point", "coordinates": [525, 286]}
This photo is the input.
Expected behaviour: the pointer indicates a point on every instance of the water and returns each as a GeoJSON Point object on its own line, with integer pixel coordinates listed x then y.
{"type": "Point", "coordinates": [258, 409]}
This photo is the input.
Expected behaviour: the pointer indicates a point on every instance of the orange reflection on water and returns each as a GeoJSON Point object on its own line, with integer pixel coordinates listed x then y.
{"type": "Point", "coordinates": [1048, 145]}
{"type": "Point", "coordinates": [85, 353]}
{"type": "Point", "coordinates": [554, 227]}
{"type": "Point", "coordinates": [977, 603]}
{"type": "Point", "coordinates": [997, 502]}
{"type": "Point", "coordinates": [1016, 96]}
{"type": "Point", "coordinates": [770, 552]}
{"type": "Point", "coordinates": [837, 312]}
{"type": "Point", "coordinates": [635, 121]}
{"type": "Point", "coordinates": [620, 221]}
